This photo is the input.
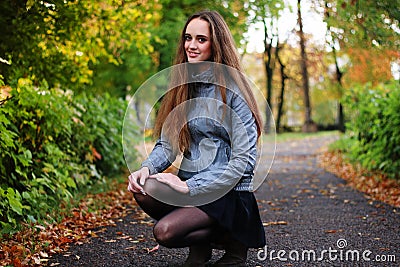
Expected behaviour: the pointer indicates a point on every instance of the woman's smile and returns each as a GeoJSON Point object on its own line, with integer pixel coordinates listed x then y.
{"type": "Point", "coordinates": [192, 54]}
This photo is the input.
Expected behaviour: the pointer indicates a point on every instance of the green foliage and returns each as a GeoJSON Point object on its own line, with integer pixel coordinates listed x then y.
{"type": "Point", "coordinates": [52, 145]}
{"type": "Point", "coordinates": [97, 46]}
{"type": "Point", "coordinates": [365, 23]}
{"type": "Point", "coordinates": [62, 40]}
{"type": "Point", "coordinates": [374, 127]}
{"type": "Point", "coordinates": [122, 79]}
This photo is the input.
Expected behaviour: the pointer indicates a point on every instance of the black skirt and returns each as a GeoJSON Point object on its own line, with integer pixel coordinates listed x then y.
{"type": "Point", "coordinates": [237, 212]}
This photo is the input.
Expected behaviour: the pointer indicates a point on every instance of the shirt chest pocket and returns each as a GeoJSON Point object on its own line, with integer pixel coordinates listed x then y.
{"type": "Point", "coordinates": [202, 127]}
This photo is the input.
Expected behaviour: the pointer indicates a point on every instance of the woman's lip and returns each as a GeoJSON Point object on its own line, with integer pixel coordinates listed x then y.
{"type": "Point", "coordinates": [192, 54]}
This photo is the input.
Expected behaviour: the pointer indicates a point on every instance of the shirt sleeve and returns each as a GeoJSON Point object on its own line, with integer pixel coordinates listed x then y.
{"type": "Point", "coordinates": [243, 136]}
{"type": "Point", "coordinates": [160, 158]}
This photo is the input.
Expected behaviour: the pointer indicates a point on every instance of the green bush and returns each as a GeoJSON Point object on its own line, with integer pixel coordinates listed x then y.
{"type": "Point", "coordinates": [374, 127]}
{"type": "Point", "coordinates": [52, 145]}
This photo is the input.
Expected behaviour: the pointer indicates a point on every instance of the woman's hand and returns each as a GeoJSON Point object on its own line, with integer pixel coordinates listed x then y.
{"type": "Point", "coordinates": [173, 181]}
{"type": "Point", "coordinates": [137, 180]}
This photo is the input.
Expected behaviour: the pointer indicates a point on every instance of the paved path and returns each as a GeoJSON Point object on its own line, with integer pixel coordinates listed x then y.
{"type": "Point", "coordinates": [311, 218]}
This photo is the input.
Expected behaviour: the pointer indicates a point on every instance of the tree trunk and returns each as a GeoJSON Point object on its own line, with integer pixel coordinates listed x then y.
{"type": "Point", "coordinates": [339, 75]}
{"type": "Point", "coordinates": [284, 77]}
{"type": "Point", "coordinates": [136, 106]}
{"type": "Point", "coordinates": [269, 73]}
{"type": "Point", "coordinates": [309, 125]}
{"type": "Point", "coordinates": [340, 113]}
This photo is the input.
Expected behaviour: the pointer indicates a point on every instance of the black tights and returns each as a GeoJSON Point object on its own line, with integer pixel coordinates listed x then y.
{"type": "Point", "coordinates": [177, 226]}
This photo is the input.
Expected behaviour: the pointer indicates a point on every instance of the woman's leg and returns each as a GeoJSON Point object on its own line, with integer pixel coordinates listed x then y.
{"type": "Point", "coordinates": [153, 207]}
{"type": "Point", "coordinates": [179, 226]}
{"type": "Point", "coordinates": [187, 226]}
{"type": "Point", "coordinates": [184, 227]}
{"type": "Point", "coordinates": [176, 226]}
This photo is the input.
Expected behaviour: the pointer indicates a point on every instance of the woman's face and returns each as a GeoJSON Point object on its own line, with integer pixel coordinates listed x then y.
{"type": "Point", "coordinates": [198, 41]}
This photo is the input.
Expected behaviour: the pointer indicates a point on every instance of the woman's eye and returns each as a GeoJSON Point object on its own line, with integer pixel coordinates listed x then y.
{"type": "Point", "coordinates": [202, 40]}
{"type": "Point", "coordinates": [188, 38]}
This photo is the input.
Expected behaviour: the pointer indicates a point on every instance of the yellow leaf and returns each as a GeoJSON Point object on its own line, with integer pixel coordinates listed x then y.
{"type": "Point", "coordinates": [275, 223]}
{"type": "Point", "coordinates": [29, 4]}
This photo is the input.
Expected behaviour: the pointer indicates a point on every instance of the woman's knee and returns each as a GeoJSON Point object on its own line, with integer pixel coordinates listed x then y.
{"type": "Point", "coordinates": [164, 234]}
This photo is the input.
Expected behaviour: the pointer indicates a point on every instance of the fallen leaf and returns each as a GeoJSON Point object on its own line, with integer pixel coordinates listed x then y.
{"type": "Point", "coordinates": [43, 254]}
{"type": "Point", "coordinates": [155, 248]}
{"type": "Point", "coordinates": [124, 237]}
{"type": "Point", "coordinates": [64, 239]}
{"type": "Point", "coordinates": [17, 263]}
{"type": "Point", "coordinates": [374, 184]}
{"type": "Point", "coordinates": [330, 231]}
{"type": "Point", "coordinates": [36, 260]}
{"type": "Point", "coordinates": [275, 223]}
{"type": "Point", "coordinates": [41, 227]}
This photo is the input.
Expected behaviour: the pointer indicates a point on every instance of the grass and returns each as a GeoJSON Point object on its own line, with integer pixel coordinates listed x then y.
{"type": "Point", "coordinates": [293, 136]}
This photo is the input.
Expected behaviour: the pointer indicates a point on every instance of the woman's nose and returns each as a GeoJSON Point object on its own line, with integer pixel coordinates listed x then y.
{"type": "Point", "coordinates": [193, 45]}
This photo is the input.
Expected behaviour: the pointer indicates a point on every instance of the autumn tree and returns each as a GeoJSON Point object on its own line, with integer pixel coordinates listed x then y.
{"type": "Point", "coordinates": [61, 41]}
{"type": "Point", "coordinates": [365, 31]}
{"type": "Point", "coordinates": [267, 12]}
{"type": "Point", "coordinates": [309, 124]}
{"type": "Point", "coordinates": [338, 72]}
{"type": "Point", "coordinates": [283, 78]}
{"type": "Point", "coordinates": [365, 23]}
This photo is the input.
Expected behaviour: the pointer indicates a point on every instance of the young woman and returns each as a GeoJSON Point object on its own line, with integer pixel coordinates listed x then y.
{"type": "Point", "coordinates": [217, 132]}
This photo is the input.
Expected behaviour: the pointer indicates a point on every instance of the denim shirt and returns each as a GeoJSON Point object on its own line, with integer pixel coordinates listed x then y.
{"type": "Point", "coordinates": [223, 148]}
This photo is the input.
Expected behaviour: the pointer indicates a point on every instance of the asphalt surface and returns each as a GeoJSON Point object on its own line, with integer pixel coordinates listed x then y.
{"type": "Point", "coordinates": [311, 218]}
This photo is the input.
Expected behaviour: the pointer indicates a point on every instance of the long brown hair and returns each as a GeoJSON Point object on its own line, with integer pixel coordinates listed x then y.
{"type": "Point", "coordinates": [224, 52]}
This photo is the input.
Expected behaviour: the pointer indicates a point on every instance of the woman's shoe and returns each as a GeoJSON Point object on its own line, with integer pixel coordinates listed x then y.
{"type": "Point", "coordinates": [235, 255]}
{"type": "Point", "coordinates": [199, 255]}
